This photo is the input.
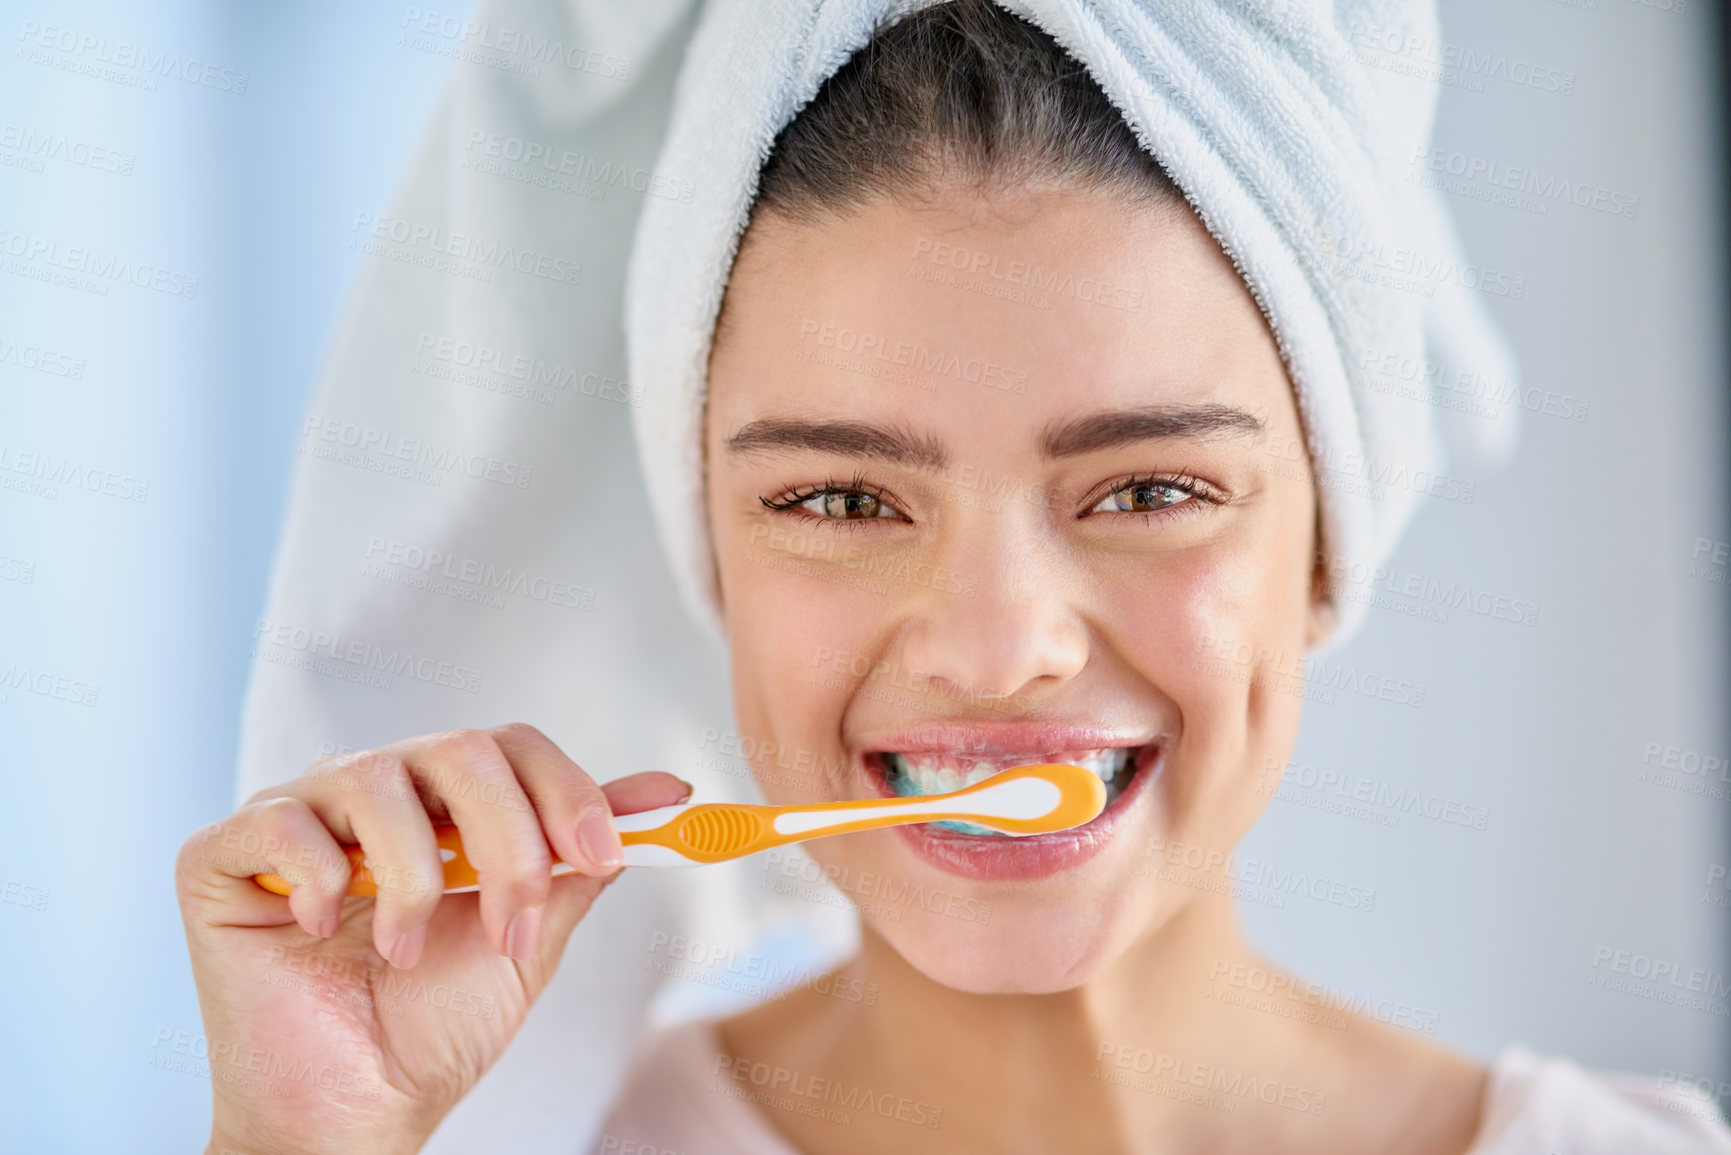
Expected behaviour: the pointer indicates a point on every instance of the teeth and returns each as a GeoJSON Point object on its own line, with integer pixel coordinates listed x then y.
{"type": "Point", "coordinates": [918, 774]}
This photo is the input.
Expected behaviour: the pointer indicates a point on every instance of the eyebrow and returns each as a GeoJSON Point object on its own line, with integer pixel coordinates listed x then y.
{"type": "Point", "coordinates": [1118, 427]}
{"type": "Point", "coordinates": [1088, 434]}
{"type": "Point", "coordinates": [843, 438]}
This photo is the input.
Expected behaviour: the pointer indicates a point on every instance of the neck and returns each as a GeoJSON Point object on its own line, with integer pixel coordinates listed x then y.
{"type": "Point", "coordinates": [1046, 1072]}
{"type": "Point", "coordinates": [1145, 1056]}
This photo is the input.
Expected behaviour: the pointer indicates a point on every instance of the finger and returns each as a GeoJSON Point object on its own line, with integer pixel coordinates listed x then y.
{"type": "Point", "coordinates": [370, 799]}
{"type": "Point", "coordinates": [645, 791]}
{"type": "Point", "coordinates": [572, 809]}
{"type": "Point", "coordinates": [572, 895]}
{"type": "Point", "coordinates": [479, 786]}
{"type": "Point", "coordinates": [283, 836]}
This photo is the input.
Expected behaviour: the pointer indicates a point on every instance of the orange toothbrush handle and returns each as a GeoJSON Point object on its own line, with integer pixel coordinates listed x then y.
{"type": "Point", "coordinates": [459, 873]}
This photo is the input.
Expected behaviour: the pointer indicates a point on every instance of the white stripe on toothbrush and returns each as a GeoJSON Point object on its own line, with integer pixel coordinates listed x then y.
{"type": "Point", "coordinates": [1022, 798]}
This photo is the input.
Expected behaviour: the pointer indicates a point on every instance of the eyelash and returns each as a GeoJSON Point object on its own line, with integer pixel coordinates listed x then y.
{"type": "Point", "coordinates": [1201, 494]}
{"type": "Point", "coordinates": [790, 501]}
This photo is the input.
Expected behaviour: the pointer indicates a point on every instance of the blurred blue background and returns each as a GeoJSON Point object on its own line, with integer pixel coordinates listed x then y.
{"type": "Point", "coordinates": [252, 192]}
{"type": "Point", "coordinates": [154, 601]}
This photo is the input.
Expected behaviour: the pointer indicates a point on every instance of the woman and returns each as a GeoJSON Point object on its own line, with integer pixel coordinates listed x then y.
{"type": "Point", "coordinates": [955, 525]}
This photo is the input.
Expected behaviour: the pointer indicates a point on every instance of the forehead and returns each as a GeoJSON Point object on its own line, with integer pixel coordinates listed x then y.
{"type": "Point", "coordinates": [971, 311]}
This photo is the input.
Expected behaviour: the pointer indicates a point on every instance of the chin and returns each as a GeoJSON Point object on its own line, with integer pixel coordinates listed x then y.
{"type": "Point", "coordinates": [1010, 946]}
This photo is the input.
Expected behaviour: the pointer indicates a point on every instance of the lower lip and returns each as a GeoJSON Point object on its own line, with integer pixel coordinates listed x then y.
{"type": "Point", "coordinates": [1032, 856]}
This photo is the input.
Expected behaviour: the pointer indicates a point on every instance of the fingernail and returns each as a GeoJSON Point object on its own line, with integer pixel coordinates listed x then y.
{"type": "Point", "coordinates": [328, 925]}
{"type": "Point", "coordinates": [406, 951]}
{"type": "Point", "coordinates": [600, 843]}
{"type": "Point", "coordinates": [521, 933]}
{"type": "Point", "coordinates": [689, 788]}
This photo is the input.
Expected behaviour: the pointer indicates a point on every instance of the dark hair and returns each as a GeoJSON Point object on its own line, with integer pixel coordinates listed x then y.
{"type": "Point", "coordinates": [960, 92]}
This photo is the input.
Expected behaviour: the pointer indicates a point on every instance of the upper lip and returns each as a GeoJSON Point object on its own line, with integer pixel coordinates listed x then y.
{"type": "Point", "coordinates": [1006, 739]}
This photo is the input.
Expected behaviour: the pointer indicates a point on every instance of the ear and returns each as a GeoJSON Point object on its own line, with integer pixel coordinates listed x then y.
{"type": "Point", "coordinates": [1320, 615]}
{"type": "Point", "coordinates": [1320, 620]}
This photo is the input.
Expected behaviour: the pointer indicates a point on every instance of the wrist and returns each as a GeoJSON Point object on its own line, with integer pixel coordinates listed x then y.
{"type": "Point", "coordinates": [224, 1144]}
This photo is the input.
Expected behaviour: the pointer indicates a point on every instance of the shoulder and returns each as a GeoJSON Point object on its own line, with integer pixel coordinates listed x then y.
{"type": "Point", "coordinates": [1535, 1105]}
{"type": "Point", "coordinates": [683, 1095]}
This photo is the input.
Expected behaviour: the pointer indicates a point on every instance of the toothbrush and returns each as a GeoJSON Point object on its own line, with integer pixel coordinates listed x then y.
{"type": "Point", "coordinates": [1021, 801]}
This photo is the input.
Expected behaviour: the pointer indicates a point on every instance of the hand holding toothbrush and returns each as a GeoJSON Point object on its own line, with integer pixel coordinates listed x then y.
{"type": "Point", "coordinates": [456, 863]}
{"type": "Point", "coordinates": [341, 1024]}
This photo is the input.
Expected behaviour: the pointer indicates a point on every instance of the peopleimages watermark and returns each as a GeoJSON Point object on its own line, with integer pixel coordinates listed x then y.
{"type": "Point", "coordinates": [1022, 281]}
{"type": "Point", "coordinates": [1460, 389]}
{"type": "Point", "coordinates": [496, 370]}
{"type": "Point", "coordinates": [1718, 892]}
{"type": "Point", "coordinates": [1251, 880]}
{"type": "Point", "coordinates": [24, 894]}
{"type": "Point", "coordinates": [343, 982]}
{"type": "Point", "coordinates": [612, 1144]}
{"type": "Point", "coordinates": [42, 474]}
{"type": "Point", "coordinates": [1709, 559]}
{"type": "Point", "coordinates": [850, 669]}
{"type": "Point", "coordinates": [1705, 1089]}
{"type": "Point", "coordinates": [871, 352]}
{"type": "Point", "coordinates": [17, 569]}
{"type": "Point", "coordinates": [1118, 1063]}
{"type": "Point", "coordinates": [815, 1096]}
{"type": "Point", "coordinates": [461, 254]}
{"type": "Point", "coordinates": [752, 973]}
{"type": "Point", "coordinates": [1390, 587]}
{"type": "Point", "coordinates": [1411, 270]}
{"type": "Point", "coordinates": [501, 46]}
{"type": "Point", "coordinates": [414, 458]}
{"type": "Point", "coordinates": [256, 1068]}
{"type": "Point", "coordinates": [876, 564]}
{"type": "Point", "coordinates": [47, 684]}
{"type": "Point", "coordinates": [455, 575]}
{"type": "Point", "coordinates": [1311, 678]}
{"type": "Point", "coordinates": [31, 148]}
{"type": "Point", "coordinates": [88, 269]}
{"type": "Point", "coordinates": [27, 355]}
{"type": "Point", "coordinates": [809, 769]}
{"type": "Point", "coordinates": [1366, 799]}
{"type": "Point", "coordinates": [1513, 186]}
{"type": "Point", "coordinates": [120, 61]}
{"type": "Point", "coordinates": [1660, 980]}
{"type": "Point", "coordinates": [1354, 472]}
{"type": "Point", "coordinates": [792, 872]}
{"type": "Point", "coordinates": [355, 659]}
{"type": "Point", "coordinates": [1689, 771]}
{"type": "Point", "coordinates": [1227, 977]}
{"type": "Point", "coordinates": [1404, 50]}
{"type": "Point", "coordinates": [548, 166]}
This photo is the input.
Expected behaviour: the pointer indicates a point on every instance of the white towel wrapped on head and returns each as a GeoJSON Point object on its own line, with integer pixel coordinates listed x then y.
{"type": "Point", "coordinates": [1296, 150]}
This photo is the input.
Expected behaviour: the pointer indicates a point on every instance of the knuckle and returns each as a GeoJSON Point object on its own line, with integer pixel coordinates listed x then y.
{"type": "Point", "coordinates": [468, 745]}
{"type": "Point", "coordinates": [413, 887]}
{"type": "Point", "coordinates": [190, 861]}
{"type": "Point", "coordinates": [518, 732]}
{"type": "Point", "coordinates": [528, 879]}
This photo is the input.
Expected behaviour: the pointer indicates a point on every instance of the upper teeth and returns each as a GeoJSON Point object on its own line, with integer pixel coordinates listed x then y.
{"type": "Point", "coordinates": [942, 773]}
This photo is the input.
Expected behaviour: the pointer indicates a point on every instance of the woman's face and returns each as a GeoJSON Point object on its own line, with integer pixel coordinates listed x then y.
{"type": "Point", "coordinates": [1003, 481]}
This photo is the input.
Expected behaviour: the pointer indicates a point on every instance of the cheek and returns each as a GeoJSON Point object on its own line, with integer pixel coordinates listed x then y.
{"type": "Point", "coordinates": [1220, 631]}
{"type": "Point", "coordinates": [800, 640]}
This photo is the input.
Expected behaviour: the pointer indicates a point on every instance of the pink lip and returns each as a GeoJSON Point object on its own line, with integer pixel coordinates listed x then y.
{"type": "Point", "coordinates": [988, 740]}
{"type": "Point", "coordinates": [1034, 856]}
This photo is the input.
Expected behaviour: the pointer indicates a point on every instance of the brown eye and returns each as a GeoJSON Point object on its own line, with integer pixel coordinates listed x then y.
{"type": "Point", "coordinates": [849, 506]}
{"type": "Point", "coordinates": [1142, 497]}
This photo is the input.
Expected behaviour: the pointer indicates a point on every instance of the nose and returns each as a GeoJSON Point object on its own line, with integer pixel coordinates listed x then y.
{"type": "Point", "coordinates": [1013, 630]}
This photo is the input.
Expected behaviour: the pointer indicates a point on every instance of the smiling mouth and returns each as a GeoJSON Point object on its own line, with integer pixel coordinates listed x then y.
{"type": "Point", "coordinates": [909, 774]}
